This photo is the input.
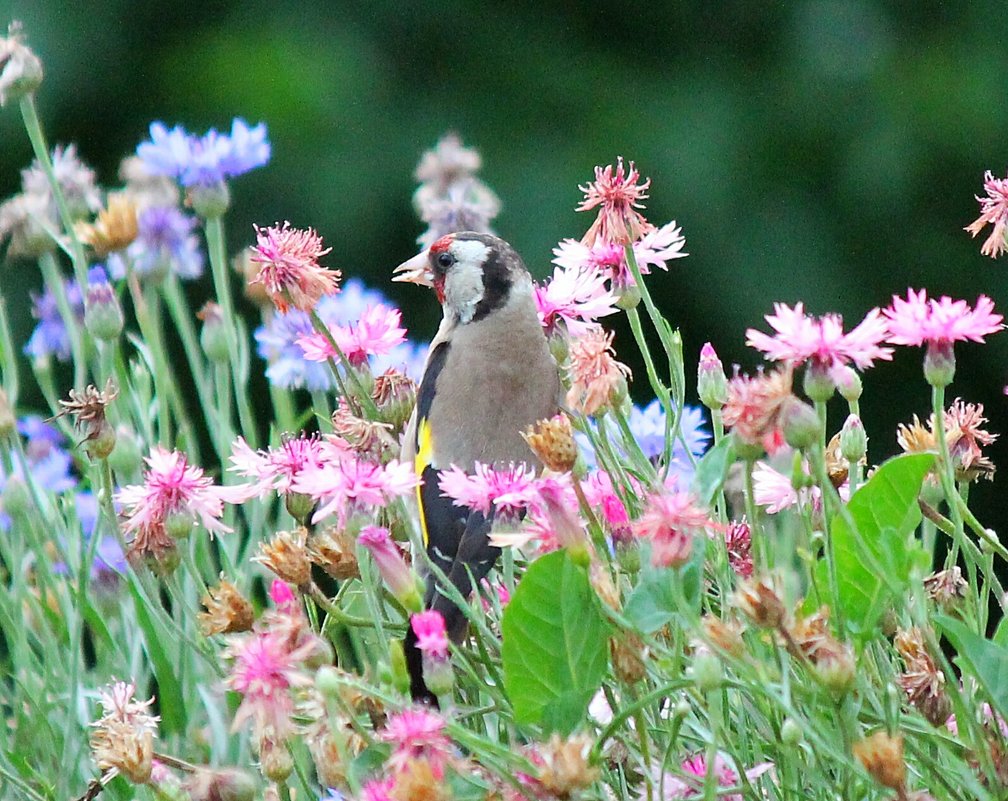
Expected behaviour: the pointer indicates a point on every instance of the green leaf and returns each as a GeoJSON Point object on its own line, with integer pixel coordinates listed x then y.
{"type": "Point", "coordinates": [554, 647]}
{"type": "Point", "coordinates": [986, 660]}
{"type": "Point", "coordinates": [712, 470]}
{"type": "Point", "coordinates": [169, 695]}
{"type": "Point", "coordinates": [654, 602]}
{"type": "Point", "coordinates": [873, 561]}
{"type": "Point", "coordinates": [1001, 633]}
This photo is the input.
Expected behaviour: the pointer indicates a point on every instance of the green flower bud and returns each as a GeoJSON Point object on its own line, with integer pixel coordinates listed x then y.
{"type": "Point", "coordinates": [939, 364]}
{"type": "Point", "coordinates": [210, 202]}
{"type": "Point", "coordinates": [853, 440]}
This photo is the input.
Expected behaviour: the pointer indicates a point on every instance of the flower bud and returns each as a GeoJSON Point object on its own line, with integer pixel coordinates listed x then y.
{"type": "Point", "coordinates": [628, 295]}
{"type": "Point", "coordinates": [712, 383]}
{"type": "Point", "coordinates": [834, 667]}
{"type": "Point", "coordinates": [275, 760]}
{"type": "Point", "coordinates": [939, 364]}
{"type": "Point", "coordinates": [848, 383]}
{"type": "Point", "coordinates": [397, 575]}
{"type": "Point", "coordinates": [214, 334]}
{"type": "Point", "coordinates": [20, 68]}
{"type": "Point", "coordinates": [399, 678]}
{"type": "Point", "coordinates": [800, 423]}
{"type": "Point", "coordinates": [209, 201]}
{"type": "Point", "coordinates": [103, 316]}
{"type": "Point", "coordinates": [15, 498]}
{"type": "Point", "coordinates": [791, 733]}
{"type": "Point", "coordinates": [706, 671]}
{"type": "Point", "coordinates": [179, 524]}
{"type": "Point", "coordinates": [818, 383]}
{"type": "Point", "coordinates": [853, 440]}
{"type": "Point", "coordinates": [101, 441]}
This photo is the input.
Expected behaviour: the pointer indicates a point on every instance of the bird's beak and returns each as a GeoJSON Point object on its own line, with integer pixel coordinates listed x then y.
{"type": "Point", "coordinates": [415, 271]}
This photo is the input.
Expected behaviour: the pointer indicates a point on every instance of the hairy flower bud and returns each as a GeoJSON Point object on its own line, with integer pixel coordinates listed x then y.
{"type": "Point", "coordinates": [853, 440]}
{"type": "Point", "coordinates": [712, 383]}
{"type": "Point", "coordinates": [103, 316]}
{"type": "Point", "coordinates": [800, 424]}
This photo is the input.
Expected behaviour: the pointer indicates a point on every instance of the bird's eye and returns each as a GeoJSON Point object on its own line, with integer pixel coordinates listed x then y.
{"type": "Point", "coordinates": [445, 260]}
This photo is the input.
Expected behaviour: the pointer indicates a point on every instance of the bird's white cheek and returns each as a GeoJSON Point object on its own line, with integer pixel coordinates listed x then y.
{"type": "Point", "coordinates": [464, 289]}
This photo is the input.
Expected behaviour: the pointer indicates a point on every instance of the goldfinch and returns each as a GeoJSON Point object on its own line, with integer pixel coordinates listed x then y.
{"type": "Point", "coordinates": [488, 376]}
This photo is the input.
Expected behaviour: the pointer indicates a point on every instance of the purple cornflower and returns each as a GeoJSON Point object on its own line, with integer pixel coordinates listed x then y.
{"type": "Point", "coordinates": [166, 240]}
{"type": "Point", "coordinates": [205, 160]}
{"type": "Point", "coordinates": [50, 337]}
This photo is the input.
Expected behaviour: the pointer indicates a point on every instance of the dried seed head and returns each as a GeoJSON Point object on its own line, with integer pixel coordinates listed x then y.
{"type": "Point", "coordinates": [724, 635]}
{"type": "Point", "coordinates": [20, 68]}
{"type": "Point", "coordinates": [334, 550]}
{"type": "Point", "coordinates": [88, 411]}
{"type": "Point", "coordinates": [227, 610]}
{"type": "Point", "coordinates": [552, 441]}
{"type": "Point", "coordinates": [922, 681]}
{"type": "Point", "coordinates": [115, 227]}
{"type": "Point", "coordinates": [882, 756]}
{"type": "Point", "coordinates": [123, 738]}
{"type": "Point", "coordinates": [368, 437]}
{"type": "Point", "coordinates": [565, 767]}
{"type": "Point", "coordinates": [394, 394]}
{"type": "Point", "coordinates": [759, 600]}
{"type": "Point", "coordinates": [628, 654]}
{"type": "Point", "coordinates": [286, 555]}
{"type": "Point", "coordinates": [416, 781]}
{"type": "Point", "coordinates": [946, 588]}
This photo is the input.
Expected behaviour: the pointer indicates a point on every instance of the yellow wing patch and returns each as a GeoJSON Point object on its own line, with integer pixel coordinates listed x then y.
{"type": "Point", "coordinates": [424, 457]}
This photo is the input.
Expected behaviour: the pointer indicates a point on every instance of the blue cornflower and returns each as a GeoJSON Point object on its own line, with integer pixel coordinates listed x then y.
{"type": "Point", "coordinates": [286, 364]}
{"type": "Point", "coordinates": [166, 239]}
{"type": "Point", "coordinates": [48, 462]}
{"type": "Point", "coordinates": [205, 160]}
{"type": "Point", "coordinates": [50, 337]}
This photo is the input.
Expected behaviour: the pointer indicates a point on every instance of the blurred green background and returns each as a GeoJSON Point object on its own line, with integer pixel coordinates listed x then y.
{"type": "Point", "coordinates": [820, 150]}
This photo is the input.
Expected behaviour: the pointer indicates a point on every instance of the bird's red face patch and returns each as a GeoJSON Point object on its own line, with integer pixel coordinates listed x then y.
{"type": "Point", "coordinates": [442, 244]}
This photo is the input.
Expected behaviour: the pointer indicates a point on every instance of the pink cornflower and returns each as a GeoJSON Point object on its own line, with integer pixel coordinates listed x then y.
{"type": "Point", "coordinates": [400, 579]}
{"type": "Point", "coordinates": [801, 338]}
{"type": "Point", "coordinates": [670, 521]}
{"type": "Point", "coordinates": [773, 491]}
{"type": "Point", "coordinates": [694, 770]}
{"type": "Point", "coordinates": [617, 195]}
{"type": "Point", "coordinates": [655, 249]}
{"type": "Point", "coordinates": [601, 496]}
{"type": "Point", "coordinates": [432, 638]}
{"type": "Point", "coordinates": [417, 734]}
{"type": "Point", "coordinates": [754, 406]}
{"type": "Point", "coordinates": [738, 541]}
{"type": "Point", "coordinates": [578, 297]}
{"type": "Point", "coordinates": [276, 468]}
{"type": "Point", "coordinates": [559, 508]}
{"type": "Point", "coordinates": [993, 211]}
{"type": "Point", "coordinates": [265, 669]}
{"type": "Point", "coordinates": [376, 333]}
{"type": "Point", "coordinates": [347, 482]}
{"type": "Point", "coordinates": [290, 271]}
{"type": "Point", "coordinates": [378, 789]}
{"type": "Point", "coordinates": [509, 490]}
{"type": "Point", "coordinates": [918, 320]}
{"type": "Point", "coordinates": [172, 488]}
{"type": "Point", "coordinates": [594, 373]}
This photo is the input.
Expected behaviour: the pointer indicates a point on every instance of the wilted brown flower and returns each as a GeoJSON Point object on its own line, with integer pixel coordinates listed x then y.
{"type": "Point", "coordinates": [755, 405]}
{"type": "Point", "coordinates": [417, 782]}
{"type": "Point", "coordinates": [628, 654]}
{"type": "Point", "coordinates": [287, 557]}
{"type": "Point", "coordinates": [20, 68]}
{"type": "Point", "coordinates": [123, 738]}
{"type": "Point", "coordinates": [922, 681]}
{"type": "Point", "coordinates": [368, 437]}
{"type": "Point", "coordinates": [725, 635]}
{"type": "Point", "coordinates": [882, 756]}
{"type": "Point", "coordinates": [596, 378]}
{"type": "Point", "coordinates": [394, 394]}
{"type": "Point", "coordinates": [946, 587]}
{"type": "Point", "coordinates": [965, 437]}
{"type": "Point", "coordinates": [334, 550]}
{"type": "Point", "coordinates": [227, 610]}
{"type": "Point", "coordinates": [565, 767]}
{"type": "Point", "coordinates": [115, 228]}
{"type": "Point", "coordinates": [832, 660]}
{"type": "Point", "coordinates": [836, 465]}
{"type": "Point", "coordinates": [758, 599]}
{"type": "Point", "coordinates": [88, 411]}
{"type": "Point", "coordinates": [552, 441]}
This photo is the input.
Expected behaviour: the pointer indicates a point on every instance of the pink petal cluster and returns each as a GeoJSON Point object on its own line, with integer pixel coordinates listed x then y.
{"type": "Point", "coordinates": [171, 486]}
{"type": "Point", "coordinates": [345, 482]}
{"type": "Point", "coordinates": [508, 490]}
{"type": "Point", "coordinates": [917, 320]}
{"type": "Point", "coordinates": [655, 249]}
{"type": "Point", "coordinates": [397, 575]}
{"type": "Point", "coordinates": [276, 468]}
{"type": "Point", "coordinates": [694, 772]}
{"type": "Point", "coordinates": [994, 212]}
{"type": "Point", "coordinates": [417, 734]}
{"type": "Point", "coordinates": [432, 637]}
{"type": "Point", "coordinates": [376, 333]}
{"type": "Point", "coordinates": [575, 296]}
{"type": "Point", "coordinates": [800, 338]}
{"type": "Point", "coordinates": [594, 373]}
{"type": "Point", "coordinates": [669, 521]}
{"type": "Point", "coordinates": [617, 195]}
{"type": "Point", "coordinates": [772, 490]}
{"type": "Point", "coordinates": [290, 271]}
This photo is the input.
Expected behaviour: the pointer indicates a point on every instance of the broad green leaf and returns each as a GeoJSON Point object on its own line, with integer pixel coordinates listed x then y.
{"type": "Point", "coordinates": [653, 602]}
{"type": "Point", "coordinates": [712, 470]}
{"type": "Point", "coordinates": [554, 644]}
{"type": "Point", "coordinates": [986, 660]}
{"type": "Point", "coordinates": [873, 562]}
{"type": "Point", "coordinates": [1001, 633]}
{"type": "Point", "coordinates": [169, 695]}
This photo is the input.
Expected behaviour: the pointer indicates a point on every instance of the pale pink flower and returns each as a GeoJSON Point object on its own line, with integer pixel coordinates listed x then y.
{"type": "Point", "coordinates": [397, 575]}
{"type": "Point", "coordinates": [417, 734]}
{"type": "Point", "coordinates": [290, 271]}
{"type": "Point", "coordinates": [276, 468]}
{"type": "Point", "coordinates": [602, 497]}
{"type": "Point", "coordinates": [558, 506]}
{"type": "Point", "coordinates": [172, 487]}
{"type": "Point", "coordinates": [694, 770]}
{"type": "Point", "coordinates": [578, 297]}
{"type": "Point", "coordinates": [376, 333]}
{"type": "Point", "coordinates": [917, 320]}
{"type": "Point", "coordinates": [993, 211]}
{"type": "Point", "coordinates": [508, 490]}
{"type": "Point", "coordinates": [347, 482]}
{"type": "Point", "coordinates": [654, 249]}
{"type": "Point", "coordinates": [122, 740]}
{"type": "Point", "coordinates": [670, 520]}
{"type": "Point", "coordinates": [800, 338]}
{"type": "Point", "coordinates": [754, 406]}
{"type": "Point", "coordinates": [617, 195]}
{"type": "Point", "coordinates": [432, 637]}
{"type": "Point", "coordinates": [265, 669]}
{"type": "Point", "coordinates": [594, 373]}
{"type": "Point", "coordinates": [773, 491]}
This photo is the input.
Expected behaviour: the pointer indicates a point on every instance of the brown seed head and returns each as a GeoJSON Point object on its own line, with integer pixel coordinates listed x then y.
{"type": "Point", "coordinates": [114, 229]}
{"type": "Point", "coordinates": [565, 767]}
{"type": "Point", "coordinates": [922, 681]}
{"type": "Point", "coordinates": [368, 437]}
{"type": "Point", "coordinates": [628, 652]}
{"type": "Point", "coordinates": [725, 635]}
{"type": "Point", "coordinates": [759, 600]}
{"type": "Point", "coordinates": [552, 441]}
{"type": "Point", "coordinates": [286, 555]}
{"type": "Point", "coordinates": [882, 756]}
{"type": "Point", "coordinates": [946, 587]}
{"type": "Point", "coordinates": [334, 550]}
{"type": "Point", "coordinates": [227, 610]}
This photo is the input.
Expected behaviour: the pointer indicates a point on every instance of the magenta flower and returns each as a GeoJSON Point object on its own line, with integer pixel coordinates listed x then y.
{"type": "Point", "coordinates": [417, 734]}
{"type": "Point", "coordinates": [993, 211]}
{"type": "Point", "coordinates": [602, 497]}
{"type": "Point", "coordinates": [576, 296]}
{"type": "Point", "coordinates": [801, 338]}
{"type": "Point", "coordinates": [617, 196]}
{"type": "Point", "coordinates": [376, 333]}
{"type": "Point", "coordinates": [377, 790]}
{"type": "Point", "coordinates": [509, 490]}
{"type": "Point", "coordinates": [655, 249]}
{"type": "Point", "coordinates": [290, 271]}
{"type": "Point", "coordinates": [918, 320]}
{"type": "Point", "coordinates": [432, 639]}
{"type": "Point", "coordinates": [397, 575]}
{"type": "Point", "coordinates": [558, 504]}
{"type": "Point", "coordinates": [694, 771]}
{"type": "Point", "coordinates": [282, 595]}
{"type": "Point", "coordinates": [276, 468]}
{"type": "Point", "coordinates": [670, 520]}
{"type": "Point", "coordinates": [172, 488]}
